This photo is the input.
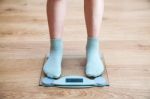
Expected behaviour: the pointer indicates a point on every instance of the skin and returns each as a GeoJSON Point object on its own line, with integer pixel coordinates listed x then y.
{"type": "Point", "coordinates": [56, 10]}
{"type": "Point", "coordinates": [93, 11]}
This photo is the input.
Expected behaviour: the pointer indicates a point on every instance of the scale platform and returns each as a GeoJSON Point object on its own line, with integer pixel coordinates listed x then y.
{"type": "Point", "coordinates": [73, 75]}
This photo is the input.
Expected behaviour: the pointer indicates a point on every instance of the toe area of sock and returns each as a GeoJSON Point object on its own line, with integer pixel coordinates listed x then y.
{"type": "Point", "coordinates": [52, 74]}
{"type": "Point", "coordinates": [94, 73]}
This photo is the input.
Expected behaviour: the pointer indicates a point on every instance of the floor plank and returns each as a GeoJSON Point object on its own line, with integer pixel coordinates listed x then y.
{"type": "Point", "coordinates": [125, 44]}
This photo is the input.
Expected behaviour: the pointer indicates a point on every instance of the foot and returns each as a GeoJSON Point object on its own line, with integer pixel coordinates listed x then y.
{"type": "Point", "coordinates": [94, 65]}
{"type": "Point", "coordinates": [52, 67]}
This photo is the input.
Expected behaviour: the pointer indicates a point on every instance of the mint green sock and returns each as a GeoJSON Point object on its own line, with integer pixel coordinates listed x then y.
{"type": "Point", "coordinates": [94, 65]}
{"type": "Point", "coordinates": [52, 67]}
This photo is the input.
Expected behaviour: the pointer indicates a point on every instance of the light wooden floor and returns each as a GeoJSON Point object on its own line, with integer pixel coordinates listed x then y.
{"type": "Point", "coordinates": [125, 43]}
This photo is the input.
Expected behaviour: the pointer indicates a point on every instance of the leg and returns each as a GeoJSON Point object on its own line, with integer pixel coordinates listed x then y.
{"type": "Point", "coordinates": [55, 14]}
{"type": "Point", "coordinates": [93, 10]}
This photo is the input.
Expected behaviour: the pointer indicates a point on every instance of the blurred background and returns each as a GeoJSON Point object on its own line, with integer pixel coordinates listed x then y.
{"type": "Point", "coordinates": [124, 41]}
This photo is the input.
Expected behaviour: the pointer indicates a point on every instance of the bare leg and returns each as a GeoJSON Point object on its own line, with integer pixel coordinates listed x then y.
{"type": "Point", "coordinates": [55, 13]}
{"type": "Point", "coordinates": [93, 10]}
{"type": "Point", "coordinates": [93, 16]}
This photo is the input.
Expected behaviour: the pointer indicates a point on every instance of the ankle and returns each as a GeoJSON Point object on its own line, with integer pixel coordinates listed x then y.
{"type": "Point", "coordinates": [56, 44]}
{"type": "Point", "coordinates": [92, 43]}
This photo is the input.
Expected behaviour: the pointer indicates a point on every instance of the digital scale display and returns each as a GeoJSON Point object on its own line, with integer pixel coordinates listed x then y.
{"type": "Point", "coordinates": [74, 80]}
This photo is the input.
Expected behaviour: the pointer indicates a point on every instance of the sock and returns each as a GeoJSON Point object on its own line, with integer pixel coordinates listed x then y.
{"type": "Point", "coordinates": [94, 64]}
{"type": "Point", "coordinates": [52, 67]}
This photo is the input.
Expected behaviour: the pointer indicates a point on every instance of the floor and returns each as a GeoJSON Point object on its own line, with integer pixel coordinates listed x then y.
{"type": "Point", "coordinates": [125, 43]}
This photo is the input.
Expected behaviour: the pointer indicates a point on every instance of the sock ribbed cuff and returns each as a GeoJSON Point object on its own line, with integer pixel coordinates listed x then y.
{"type": "Point", "coordinates": [92, 42]}
{"type": "Point", "coordinates": [56, 44]}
